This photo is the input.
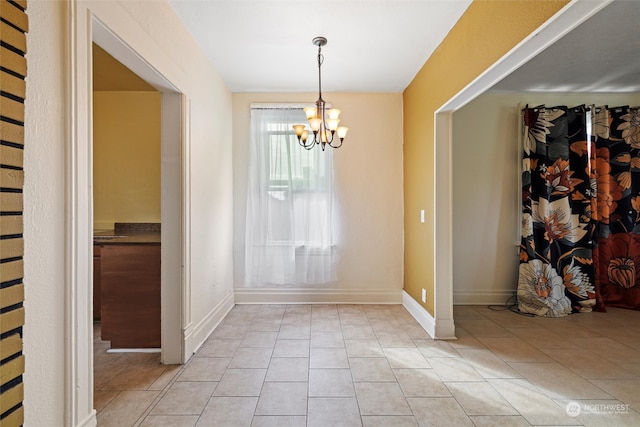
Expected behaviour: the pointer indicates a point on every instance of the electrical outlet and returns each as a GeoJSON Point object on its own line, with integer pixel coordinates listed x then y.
{"type": "Point", "coordinates": [424, 295]}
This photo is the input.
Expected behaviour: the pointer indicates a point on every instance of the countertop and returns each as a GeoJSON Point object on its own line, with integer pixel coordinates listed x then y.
{"type": "Point", "coordinates": [110, 237]}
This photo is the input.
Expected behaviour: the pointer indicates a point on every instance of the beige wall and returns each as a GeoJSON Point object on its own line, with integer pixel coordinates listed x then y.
{"type": "Point", "coordinates": [44, 251]}
{"type": "Point", "coordinates": [368, 182]}
{"type": "Point", "coordinates": [486, 205]}
{"type": "Point", "coordinates": [126, 158]}
{"type": "Point", "coordinates": [486, 31]}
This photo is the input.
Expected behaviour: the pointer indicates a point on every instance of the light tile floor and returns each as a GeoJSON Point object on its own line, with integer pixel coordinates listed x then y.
{"type": "Point", "coordinates": [373, 365]}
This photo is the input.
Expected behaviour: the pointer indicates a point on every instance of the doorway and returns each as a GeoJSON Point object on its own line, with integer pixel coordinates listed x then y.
{"type": "Point", "coordinates": [126, 202]}
{"type": "Point", "coordinates": [563, 23]}
{"type": "Point", "coordinates": [171, 205]}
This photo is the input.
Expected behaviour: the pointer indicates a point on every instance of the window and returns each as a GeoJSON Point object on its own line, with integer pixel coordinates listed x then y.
{"type": "Point", "coordinates": [302, 180]}
{"type": "Point", "coordinates": [291, 168]}
{"type": "Point", "coordinates": [289, 204]}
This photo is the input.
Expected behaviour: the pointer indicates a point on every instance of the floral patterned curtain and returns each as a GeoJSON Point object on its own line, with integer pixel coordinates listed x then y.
{"type": "Point", "coordinates": [617, 173]}
{"type": "Point", "coordinates": [580, 240]}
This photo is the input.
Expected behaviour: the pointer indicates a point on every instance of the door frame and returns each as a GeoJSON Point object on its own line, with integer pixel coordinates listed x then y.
{"type": "Point", "coordinates": [101, 24]}
{"type": "Point", "coordinates": [568, 18]}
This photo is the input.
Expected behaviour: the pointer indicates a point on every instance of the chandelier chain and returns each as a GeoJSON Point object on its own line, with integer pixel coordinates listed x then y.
{"type": "Point", "coordinates": [320, 61]}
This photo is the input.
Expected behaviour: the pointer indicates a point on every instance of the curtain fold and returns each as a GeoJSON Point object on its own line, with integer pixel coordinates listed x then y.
{"type": "Point", "coordinates": [580, 241]}
{"type": "Point", "coordinates": [617, 246]}
{"type": "Point", "coordinates": [290, 221]}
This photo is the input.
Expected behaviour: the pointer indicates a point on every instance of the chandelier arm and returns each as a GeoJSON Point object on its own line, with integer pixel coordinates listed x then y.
{"type": "Point", "coordinates": [308, 144]}
{"type": "Point", "coordinates": [329, 134]}
{"type": "Point", "coordinates": [338, 144]}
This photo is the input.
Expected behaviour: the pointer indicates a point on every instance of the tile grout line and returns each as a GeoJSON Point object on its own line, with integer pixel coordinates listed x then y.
{"type": "Point", "coordinates": [405, 326]}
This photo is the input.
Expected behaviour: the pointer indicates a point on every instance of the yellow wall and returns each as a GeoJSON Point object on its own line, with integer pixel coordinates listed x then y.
{"type": "Point", "coordinates": [126, 157]}
{"type": "Point", "coordinates": [111, 74]}
{"type": "Point", "coordinates": [485, 33]}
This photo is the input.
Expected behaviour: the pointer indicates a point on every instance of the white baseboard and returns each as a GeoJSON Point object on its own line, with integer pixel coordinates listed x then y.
{"type": "Point", "coordinates": [445, 330]}
{"type": "Point", "coordinates": [195, 336]}
{"type": "Point", "coordinates": [316, 296]}
{"type": "Point", "coordinates": [481, 296]}
{"type": "Point", "coordinates": [90, 421]}
{"type": "Point", "coordinates": [421, 315]}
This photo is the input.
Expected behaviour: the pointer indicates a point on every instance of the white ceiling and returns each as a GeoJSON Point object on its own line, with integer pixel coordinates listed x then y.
{"type": "Point", "coordinates": [600, 55]}
{"type": "Point", "coordinates": [265, 45]}
{"type": "Point", "coordinates": [380, 45]}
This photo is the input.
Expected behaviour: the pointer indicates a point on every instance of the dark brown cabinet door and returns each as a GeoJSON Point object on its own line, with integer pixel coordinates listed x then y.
{"type": "Point", "coordinates": [130, 281]}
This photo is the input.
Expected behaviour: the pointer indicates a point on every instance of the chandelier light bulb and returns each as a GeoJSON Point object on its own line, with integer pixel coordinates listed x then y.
{"type": "Point", "coordinates": [310, 112]}
{"type": "Point", "coordinates": [298, 129]}
{"type": "Point", "coordinates": [315, 124]}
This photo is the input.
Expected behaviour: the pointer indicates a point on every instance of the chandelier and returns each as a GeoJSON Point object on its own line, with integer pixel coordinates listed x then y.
{"type": "Point", "coordinates": [323, 124]}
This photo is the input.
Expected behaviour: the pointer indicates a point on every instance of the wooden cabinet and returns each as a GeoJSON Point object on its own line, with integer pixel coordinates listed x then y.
{"type": "Point", "coordinates": [130, 282]}
{"type": "Point", "coordinates": [97, 288]}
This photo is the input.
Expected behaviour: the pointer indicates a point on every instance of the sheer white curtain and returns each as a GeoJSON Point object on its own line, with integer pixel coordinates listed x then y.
{"type": "Point", "coordinates": [289, 231]}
